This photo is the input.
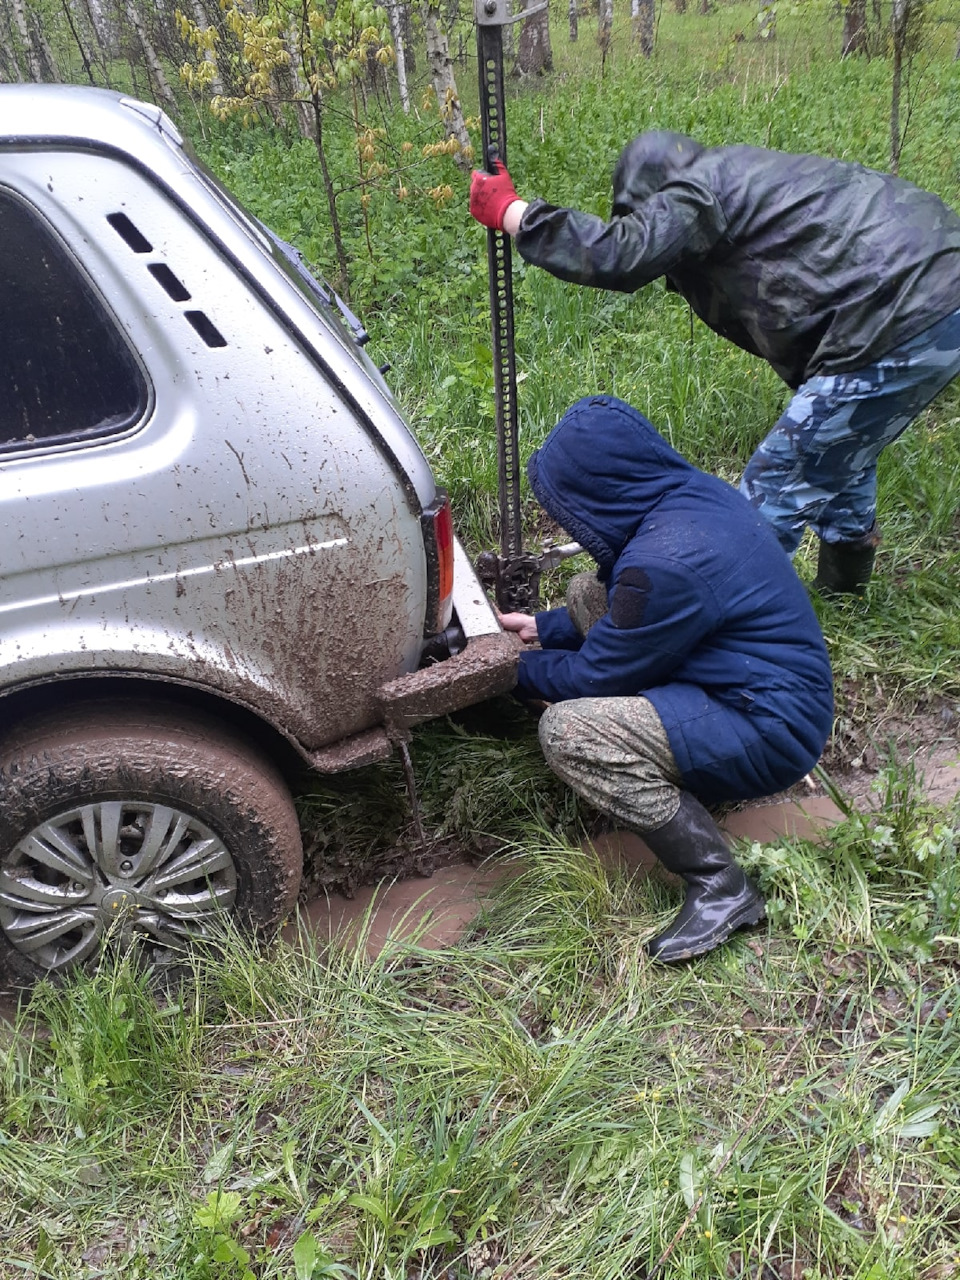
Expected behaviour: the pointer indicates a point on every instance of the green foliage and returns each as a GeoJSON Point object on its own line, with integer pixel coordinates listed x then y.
{"type": "Point", "coordinates": [888, 879]}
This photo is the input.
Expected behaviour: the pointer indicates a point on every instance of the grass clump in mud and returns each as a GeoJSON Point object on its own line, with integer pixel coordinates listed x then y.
{"type": "Point", "coordinates": [481, 781]}
{"type": "Point", "coordinates": [538, 1101]}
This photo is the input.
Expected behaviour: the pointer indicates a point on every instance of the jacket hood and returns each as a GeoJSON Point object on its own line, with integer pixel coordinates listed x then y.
{"type": "Point", "coordinates": [601, 471]}
{"type": "Point", "coordinates": [647, 163]}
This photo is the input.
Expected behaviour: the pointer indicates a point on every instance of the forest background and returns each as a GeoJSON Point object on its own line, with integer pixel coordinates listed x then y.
{"type": "Point", "coordinates": [538, 1100]}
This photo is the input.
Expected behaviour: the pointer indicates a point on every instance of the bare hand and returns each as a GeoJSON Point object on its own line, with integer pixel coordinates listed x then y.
{"type": "Point", "coordinates": [524, 624]}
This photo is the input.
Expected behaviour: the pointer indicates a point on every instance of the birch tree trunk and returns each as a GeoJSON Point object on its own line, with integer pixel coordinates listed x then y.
{"type": "Point", "coordinates": [604, 27]}
{"type": "Point", "coordinates": [767, 21]}
{"type": "Point", "coordinates": [444, 84]}
{"type": "Point", "coordinates": [534, 54]}
{"type": "Point", "coordinates": [643, 24]}
{"type": "Point", "coordinates": [158, 81]}
{"type": "Point", "coordinates": [854, 28]}
{"type": "Point", "coordinates": [104, 31]}
{"type": "Point", "coordinates": [648, 21]}
{"type": "Point", "coordinates": [10, 71]}
{"type": "Point", "coordinates": [51, 72]}
{"type": "Point", "coordinates": [34, 63]}
{"type": "Point", "coordinates": [200, 18]}
{"type": "Point", "coordinates": [289, 83]}
{"type": "Point", "coordinates": [573, 16]}
{"type": "Point", "coordinates": [396, 32]}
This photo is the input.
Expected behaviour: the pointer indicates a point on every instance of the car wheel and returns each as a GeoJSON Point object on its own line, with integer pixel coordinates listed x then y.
{"type": "Point", "coordinates": [129, 820]}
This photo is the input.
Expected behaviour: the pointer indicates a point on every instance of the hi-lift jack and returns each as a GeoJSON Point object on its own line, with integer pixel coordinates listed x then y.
{"type": "Point", "coordinates": [514, 574]}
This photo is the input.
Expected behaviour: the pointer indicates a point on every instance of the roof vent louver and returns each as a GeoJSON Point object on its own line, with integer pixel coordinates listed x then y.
{"type": "Point", "coordinates": [129, 233]}
{"type": "Point", "coordinates": [207, 330]}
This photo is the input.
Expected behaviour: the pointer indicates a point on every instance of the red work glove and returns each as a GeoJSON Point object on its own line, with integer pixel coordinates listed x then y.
{"type": "Point", "coordinates": [491, 195]}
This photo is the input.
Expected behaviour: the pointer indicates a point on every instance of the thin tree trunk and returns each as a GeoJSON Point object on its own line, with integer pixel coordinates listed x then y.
{"type": "Point", "coordinates": [573, 16]}
{"type": "Point", "coordinates": [78, 40]}
{"type": "Point", "coordinates": [444, 84]}
{"type": "Point", "coordinates": [406, 30]}
{"type": "Point", "coordinates": [34, 63]}
{"type": "Point", "coordinates": [604, 28]}
{"type": "Point", "coordinates": [895, 89]}
{"type": "Point", "coordinates": [343, 284]}
{"type": "Point", "coordinates": [158, 81]}
{"type": "Point", "coordinates": [396, 32]}
{"type": "Point", "coordinates": [899, 21]}
{"type": "Point", "coordinates": [854, 28]}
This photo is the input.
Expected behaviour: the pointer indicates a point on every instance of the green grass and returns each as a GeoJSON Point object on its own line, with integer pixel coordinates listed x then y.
{"type": "Point", "coordinates": [420, 278]}
{"type": "Point", "coordinates": [540, 1100]}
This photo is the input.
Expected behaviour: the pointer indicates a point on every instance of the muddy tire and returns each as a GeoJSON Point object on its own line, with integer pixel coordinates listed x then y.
{"type": "Point", "coordinates": [129, 819]}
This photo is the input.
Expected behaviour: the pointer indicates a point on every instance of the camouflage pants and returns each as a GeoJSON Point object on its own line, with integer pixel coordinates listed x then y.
{"type": "Point", "coordinates": [818, 466]}
{"type": "Point", "coordinates": [613, 751]}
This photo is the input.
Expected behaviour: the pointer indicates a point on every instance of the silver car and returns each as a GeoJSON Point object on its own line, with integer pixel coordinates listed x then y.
{"type": "Point", "coordinates": [222, 548]}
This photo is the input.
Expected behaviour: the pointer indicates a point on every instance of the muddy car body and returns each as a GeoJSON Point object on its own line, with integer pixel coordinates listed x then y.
{"type": "Point", "coordinates": [221, 542]}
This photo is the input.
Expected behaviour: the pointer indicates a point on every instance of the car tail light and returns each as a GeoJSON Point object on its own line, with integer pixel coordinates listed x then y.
{"type": "Point", "coordinates": [437, 523]}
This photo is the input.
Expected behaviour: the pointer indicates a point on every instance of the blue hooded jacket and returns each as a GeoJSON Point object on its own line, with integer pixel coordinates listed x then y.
{"type": "Point", "coordinates": [706, 616]}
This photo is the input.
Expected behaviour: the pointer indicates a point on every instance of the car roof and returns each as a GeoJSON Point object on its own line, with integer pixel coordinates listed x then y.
{"type": "Point", "coordinates": [82, 115]}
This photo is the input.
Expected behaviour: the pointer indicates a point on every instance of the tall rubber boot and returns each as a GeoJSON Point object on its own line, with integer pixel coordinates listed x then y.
{"type": "Point", "coordinates": [844, 568]}
{"type": "Point", "coordinates": [720, 898]}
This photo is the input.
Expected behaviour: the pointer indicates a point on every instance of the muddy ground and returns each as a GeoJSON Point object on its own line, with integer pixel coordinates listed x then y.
{"type": "Point", "coordinates": [436, 888]}
{"type": "Point", "coordinates": [436, 892]}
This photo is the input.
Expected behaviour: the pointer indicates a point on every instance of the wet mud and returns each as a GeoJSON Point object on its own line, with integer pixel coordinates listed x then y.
{"type": "Point", "coordinates": [435, 912]}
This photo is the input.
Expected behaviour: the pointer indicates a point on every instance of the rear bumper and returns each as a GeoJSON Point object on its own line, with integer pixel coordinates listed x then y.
{"type": "Point", "coordinates": [486, 667]}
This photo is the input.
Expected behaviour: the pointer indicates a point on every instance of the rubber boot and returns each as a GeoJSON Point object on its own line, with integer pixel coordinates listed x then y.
{"type": "Point", "coordinates": [844, 568]}
{"type": "Point", "coordinates": [720, 898]}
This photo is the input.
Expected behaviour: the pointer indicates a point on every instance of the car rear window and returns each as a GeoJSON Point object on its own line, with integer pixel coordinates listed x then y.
{"type": "Point", "coordinates": [66, 372]}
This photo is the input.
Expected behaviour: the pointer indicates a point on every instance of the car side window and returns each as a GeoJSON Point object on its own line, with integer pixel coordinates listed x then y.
{"type": "Point", "coordinates": [66, 371]}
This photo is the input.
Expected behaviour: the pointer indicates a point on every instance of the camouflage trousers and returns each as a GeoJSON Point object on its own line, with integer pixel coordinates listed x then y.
{"type": "Point", "coordinates": [818, 466]}
{"type": "Point", "coordinates": [615, 753]}
{"type": "Point", "coordinates": [612, 751]}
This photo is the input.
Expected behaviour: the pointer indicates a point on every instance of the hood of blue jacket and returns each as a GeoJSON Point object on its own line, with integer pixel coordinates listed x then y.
{"type": "Point", "coordinates": [647, 164]}
{"type": "Point", "coordinates": [600, 486]}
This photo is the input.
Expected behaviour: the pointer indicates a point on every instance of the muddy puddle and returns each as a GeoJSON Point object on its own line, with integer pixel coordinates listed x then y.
{"type": "Point", "coordinates": [437, 910]}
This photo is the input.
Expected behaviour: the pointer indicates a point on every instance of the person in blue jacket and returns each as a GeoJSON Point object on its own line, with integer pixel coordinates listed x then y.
{"type": "Point", "coordinates": [689, 671]}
